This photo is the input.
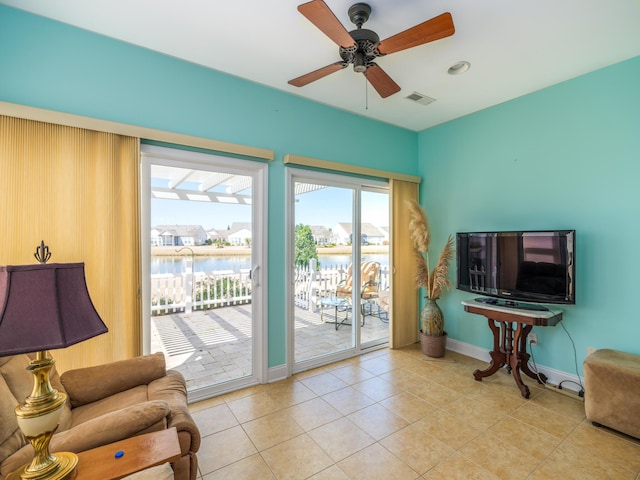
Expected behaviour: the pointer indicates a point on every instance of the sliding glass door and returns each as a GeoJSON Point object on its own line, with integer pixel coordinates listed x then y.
{"type": "Point", "coordinates": [374, 232]}
{"type": "Point", "coordinates": [323, 316]}
{"type": "Point", "coordinates": [339, 267]}
{"type": "Point", "coordinates": [204, 237]}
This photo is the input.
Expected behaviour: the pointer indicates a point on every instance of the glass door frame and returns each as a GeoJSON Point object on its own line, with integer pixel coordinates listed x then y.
{"type": "Point", "coordinates": [357, 184]}
{"type": "Point", "coordinates": [172, 156]}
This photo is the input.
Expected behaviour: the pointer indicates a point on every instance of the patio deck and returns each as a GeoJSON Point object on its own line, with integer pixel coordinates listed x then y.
{"type": "Point", "coordinates": [213, 346]}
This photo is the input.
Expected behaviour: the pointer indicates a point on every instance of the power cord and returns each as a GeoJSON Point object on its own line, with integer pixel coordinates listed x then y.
{"type": "Point", "coordinates": [535, 366]}
{"type": "Point", "coordinates": [575, 359]}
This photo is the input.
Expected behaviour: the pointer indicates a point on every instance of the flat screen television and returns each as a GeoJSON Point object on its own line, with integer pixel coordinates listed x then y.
{"type": "Point", "coordinates": [518, 266]}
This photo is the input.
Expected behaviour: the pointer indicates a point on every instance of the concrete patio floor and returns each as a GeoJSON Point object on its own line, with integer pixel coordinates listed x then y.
{"type": "Point", "coordinates": [214, 346]}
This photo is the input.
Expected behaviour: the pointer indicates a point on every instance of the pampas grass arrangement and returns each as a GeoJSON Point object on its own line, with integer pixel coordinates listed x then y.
{"type": "Point", "coordinates": [436, 281]}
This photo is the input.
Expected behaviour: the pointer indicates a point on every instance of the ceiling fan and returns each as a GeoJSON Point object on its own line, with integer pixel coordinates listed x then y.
{"type": "Point", "coordinates": [360, 47]}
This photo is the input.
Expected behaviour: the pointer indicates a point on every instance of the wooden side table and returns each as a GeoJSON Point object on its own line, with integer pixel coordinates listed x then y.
{"type": "Point", "coordinates": [139, 453]}
{"type": "Point", "coordinates": [509, 345]}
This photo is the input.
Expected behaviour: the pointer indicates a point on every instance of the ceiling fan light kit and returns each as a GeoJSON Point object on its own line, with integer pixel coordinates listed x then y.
{"type": "Point", "coordinates": [360, 47]}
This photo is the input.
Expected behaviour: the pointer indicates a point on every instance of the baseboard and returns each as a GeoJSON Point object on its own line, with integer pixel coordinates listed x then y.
{"type": "Point", "coordinates": [276, 374]}
{"type": "Point", "coordinates": [469, 350]}
{"type": "Point", "coordinates": [554, 377]}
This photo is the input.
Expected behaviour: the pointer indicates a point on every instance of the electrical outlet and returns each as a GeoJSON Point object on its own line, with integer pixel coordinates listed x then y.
{"type": "Point", "coordinates": [533, 338]}
{"type": "Point", "coordinates": [590, 350]}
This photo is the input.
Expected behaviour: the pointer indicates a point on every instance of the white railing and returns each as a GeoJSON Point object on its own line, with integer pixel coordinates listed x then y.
{"type": "Point", "coordinates": [312, 284]}
{"type": "Point", "coordinates": [173, 293]}
{"type": "Point", "coordinates": [200, 291]}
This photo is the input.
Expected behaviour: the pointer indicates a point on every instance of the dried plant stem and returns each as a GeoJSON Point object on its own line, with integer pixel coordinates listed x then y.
{"type": "Point", "coordinates": [440, 275]}
{"type": "Point", "coordinates": [422, 268]}
{"type": "Point", "coordinates": [435, 281]}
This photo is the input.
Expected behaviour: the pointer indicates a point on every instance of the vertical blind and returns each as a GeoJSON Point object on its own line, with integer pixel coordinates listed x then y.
{"type": "Point", "coordinates": [77, 190]}
{"type": "Point", "coordinates": [404, 293]}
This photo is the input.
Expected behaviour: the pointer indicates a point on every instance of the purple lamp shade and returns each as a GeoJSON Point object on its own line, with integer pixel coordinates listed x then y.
{"type": "Point", "coordinates": [45, 307]}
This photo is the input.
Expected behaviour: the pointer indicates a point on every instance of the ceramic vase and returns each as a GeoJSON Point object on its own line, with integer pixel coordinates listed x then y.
{"type": "Point", "coordinates": [433, 338]}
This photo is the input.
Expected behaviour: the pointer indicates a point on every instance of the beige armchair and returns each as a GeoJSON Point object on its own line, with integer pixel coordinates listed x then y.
{"type": "Point", "coordinates": [105, 404]}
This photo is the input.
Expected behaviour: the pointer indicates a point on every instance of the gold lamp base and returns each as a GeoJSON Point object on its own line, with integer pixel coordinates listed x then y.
{"type": "Point", "coordinates": [63, 468]}
{"type": "Point", "coordinates": [38, 419]}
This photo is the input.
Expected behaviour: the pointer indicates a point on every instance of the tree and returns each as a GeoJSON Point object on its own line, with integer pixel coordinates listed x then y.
{"type": "Point", "coordinates": [305, 246]}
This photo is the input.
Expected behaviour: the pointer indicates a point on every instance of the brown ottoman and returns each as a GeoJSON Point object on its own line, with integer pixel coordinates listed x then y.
{"type": "Point", "coordinates": [612, 390]}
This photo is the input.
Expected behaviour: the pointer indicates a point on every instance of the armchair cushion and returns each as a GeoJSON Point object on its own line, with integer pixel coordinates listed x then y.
{"type": "Point", "coordinates": [90, 384]}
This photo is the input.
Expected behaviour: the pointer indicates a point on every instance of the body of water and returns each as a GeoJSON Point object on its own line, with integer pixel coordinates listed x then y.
{"type": "Point", "coordinates": [178, 265]}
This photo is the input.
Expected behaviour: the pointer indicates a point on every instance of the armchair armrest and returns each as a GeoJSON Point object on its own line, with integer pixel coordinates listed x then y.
{"type": "Point", "coordinates": [112, 427]}
{"type": "Point", "coordinates": [86, 385]}
{"type": "Point", "coordinates": [102, 430]}
{"type": "Point", "coordinates": [171, 389]}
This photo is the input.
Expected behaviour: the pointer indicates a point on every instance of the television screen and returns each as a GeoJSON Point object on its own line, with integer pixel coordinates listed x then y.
{"type": "Point", "coordinates": [529, 266]}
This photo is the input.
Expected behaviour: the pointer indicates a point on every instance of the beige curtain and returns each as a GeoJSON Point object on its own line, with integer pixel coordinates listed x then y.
{"type": "Point", "coordinates": [78, 191]}
{"type": "Point", "coordinates": [404, 294]}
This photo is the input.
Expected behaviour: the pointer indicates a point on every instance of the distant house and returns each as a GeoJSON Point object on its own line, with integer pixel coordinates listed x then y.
{"type": "Point", "coordinates": [239, 233]}
{"type": "Point", "coordinates": [240, 237]}
{"type": "Point", "coordinates": [369, 233]}
{"type": "Point", "coordinates": [321, 235]}
{"type": "Point", "coordinates": [342, 233]}
{"type": "Point", "coordinates": [178, 235]}
{"type": "Point", "coordinates": [385, 230]}
{"type": "Point", "coordinates": [216, 235]}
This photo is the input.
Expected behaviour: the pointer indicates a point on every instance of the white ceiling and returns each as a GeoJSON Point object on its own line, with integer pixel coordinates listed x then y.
{"type": "Point", "coordinates": [514, 46]}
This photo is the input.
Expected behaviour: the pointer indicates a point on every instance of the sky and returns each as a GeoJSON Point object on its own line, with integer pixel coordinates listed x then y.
{"type": "Point", "coordinates": [324, 207]}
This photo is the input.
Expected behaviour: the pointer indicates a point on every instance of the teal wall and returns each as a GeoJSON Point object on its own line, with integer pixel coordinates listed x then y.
{"type": "Point", "coordinates": [564, 157]}
{"type": "Point", "coordinates": [54, 66]}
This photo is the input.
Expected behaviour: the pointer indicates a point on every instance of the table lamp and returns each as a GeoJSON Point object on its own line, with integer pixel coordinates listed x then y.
{"type": "Point", "coordinates": [44, 307]}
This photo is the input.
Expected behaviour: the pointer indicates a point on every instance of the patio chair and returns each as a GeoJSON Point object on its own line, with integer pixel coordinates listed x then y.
{"type": "Point", "coordinates": [341, 299]}
{"type": "Point", "coordinates": [369, 282]}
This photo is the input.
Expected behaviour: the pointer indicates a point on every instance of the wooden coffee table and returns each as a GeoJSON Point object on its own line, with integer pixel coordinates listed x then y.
{"type": "Point", "coordinates": [139, 453]}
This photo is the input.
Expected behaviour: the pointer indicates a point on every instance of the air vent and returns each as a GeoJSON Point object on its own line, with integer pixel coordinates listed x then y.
{"type": "Point", "coordinates": [420, 98]}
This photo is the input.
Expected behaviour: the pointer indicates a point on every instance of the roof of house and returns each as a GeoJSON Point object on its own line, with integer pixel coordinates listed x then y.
{"type": "Point", "coordinates": [320, 231]}
{"type": "Point", "coordinates": [243, 232]}
{"type": "Point", "coordinates": [237, 226]}
{"type": "Point", "coordinates": [368, 229]}
{"type": "Point", "coordinates": [180, 230]}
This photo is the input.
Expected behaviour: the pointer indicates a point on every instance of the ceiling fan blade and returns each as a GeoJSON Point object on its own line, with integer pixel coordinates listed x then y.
{"type": "Point", "coordinates": [425, 32]}
{"type": "Point", "coordinates": [318, 13]}
{"type": "Point", "coordinates": [382, 82]}
{"type": "Point", "coordinates": [316, 74]}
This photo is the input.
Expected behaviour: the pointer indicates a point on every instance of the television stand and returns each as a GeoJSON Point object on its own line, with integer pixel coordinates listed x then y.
{"type": "Point", "coordinates": [512, 304]}
{"type": "Point", "coordinates": [509, 343]}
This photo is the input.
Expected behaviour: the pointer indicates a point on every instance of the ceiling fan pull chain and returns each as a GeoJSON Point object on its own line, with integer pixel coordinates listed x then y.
{"type": "Point", "coordinates": [366, 93]}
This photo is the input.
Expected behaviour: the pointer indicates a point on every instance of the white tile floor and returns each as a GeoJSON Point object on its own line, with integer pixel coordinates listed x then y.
{"type": "Point", "coordinates": [214, 346]}
{"type": "Point", "coordinates": [396, 414]}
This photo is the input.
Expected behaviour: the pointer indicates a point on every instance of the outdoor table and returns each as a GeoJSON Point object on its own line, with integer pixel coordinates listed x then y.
{"type": "Point", "coordinates": [339, 305]}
